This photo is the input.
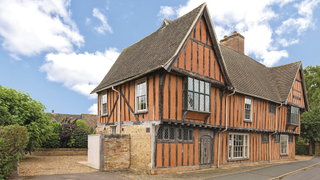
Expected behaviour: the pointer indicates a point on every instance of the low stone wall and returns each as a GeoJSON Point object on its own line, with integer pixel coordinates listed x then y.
{"type": "Point", "coordinates": [61, 152]}
{"type": "Point", "coordinates": [116, 152]}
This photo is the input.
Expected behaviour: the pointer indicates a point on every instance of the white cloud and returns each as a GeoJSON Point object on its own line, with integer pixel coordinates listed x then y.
{"type": "Point", "coordinates": [29, 27]}
{"type": "Point", "coordinates": [166, 12]}
{"type": "Point", "coordinates": [301, 24]}
{"type": "Point", "coordinates": [252, 19]}
{"type": "Point", "coordinates": [93, 109]}
{"type": "Point", "coordinates": [105, 26]}
{"type": "Point", "coordinates": [88, 21]}
{"type": "Point", "coordinates": [14, 56]}
{"type": "Point", "coordinates": [79, 72]}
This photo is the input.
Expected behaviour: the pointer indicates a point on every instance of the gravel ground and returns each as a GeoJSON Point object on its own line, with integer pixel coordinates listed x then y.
{"type": "Point", "coordinates": [45, 165]}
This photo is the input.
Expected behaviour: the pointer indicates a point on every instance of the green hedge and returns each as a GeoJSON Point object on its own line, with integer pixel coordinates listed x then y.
{"type": "Point", "coordinates": [13, 140]}
{"type": "Point", "coordinates": [302, 150]}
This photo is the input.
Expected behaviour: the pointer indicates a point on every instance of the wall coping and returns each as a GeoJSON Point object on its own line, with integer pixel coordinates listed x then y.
{"type": "Point", "coordinates": [62, 149]}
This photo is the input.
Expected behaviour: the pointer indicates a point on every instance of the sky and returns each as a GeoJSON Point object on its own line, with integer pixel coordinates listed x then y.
{"type": "Point", "coordinates": [58, 51]}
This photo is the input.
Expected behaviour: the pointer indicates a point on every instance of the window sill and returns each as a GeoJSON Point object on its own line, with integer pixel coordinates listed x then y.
{"type": "Point", "coordinates": [284, 154]}
{"type": "Point", "coordinates": [238, 159]}
{"type": "Point", "coordinates": [102, 115]}
{"type": "Point", "coordinates": [191, 110]}
{"type": "Point", "coordinates": [248, 121]}
{"type": "Point", "coordinates": [141, 112]}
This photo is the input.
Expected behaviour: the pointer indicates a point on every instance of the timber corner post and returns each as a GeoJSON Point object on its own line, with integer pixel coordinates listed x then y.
{"type": "Point", "coordinates": [102, 139]}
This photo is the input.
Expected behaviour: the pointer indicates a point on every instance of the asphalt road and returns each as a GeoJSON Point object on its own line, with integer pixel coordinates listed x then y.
{"type": "Point", "coordinates": [309, 174]}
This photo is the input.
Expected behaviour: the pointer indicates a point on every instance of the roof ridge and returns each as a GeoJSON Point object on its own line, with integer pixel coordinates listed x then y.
{"type": "Point", "coordinates": [285, 64]}
{"type": "Point", "coordinates": [244, 55]}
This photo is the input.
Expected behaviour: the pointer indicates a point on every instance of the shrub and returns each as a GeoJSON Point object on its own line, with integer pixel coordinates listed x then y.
{"type": "Point", "coordinates": [82, 125]}
{"type": "Point", "coordinates": [67, 127]}
{"type": "Point", "coordinates": [13, 140]}
{"type": "Point", "coordinates": [302, 150]}
{"type": "Point", "coordinates": [54, 141]}
{"type": "Point", "coordinates": [81, 138]}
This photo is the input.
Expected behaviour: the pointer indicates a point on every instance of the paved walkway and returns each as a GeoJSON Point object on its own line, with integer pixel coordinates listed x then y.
{"type": "Point", "coordinates": [272, 172]}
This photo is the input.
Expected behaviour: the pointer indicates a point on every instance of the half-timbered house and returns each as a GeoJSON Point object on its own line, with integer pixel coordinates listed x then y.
{"type": "Point", "coordinates": [190, 102]}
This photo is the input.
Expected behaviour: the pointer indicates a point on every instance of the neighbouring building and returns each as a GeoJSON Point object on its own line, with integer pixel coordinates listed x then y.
{"type": "Point", "coordinates": [189, 102]}
{"type": "Point", "coordinates": [90, 119]}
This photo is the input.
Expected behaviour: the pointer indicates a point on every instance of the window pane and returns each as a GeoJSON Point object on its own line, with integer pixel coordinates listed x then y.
{"type": "Point", "coordinates": [180, 134]}
{"type": "Point", "coordinates": [207, 103]}
{"type": "Point", "coordinates": [142, 103]}
{"type": "Point", "coordinates": [196, 85]}
{"type": "Point", "coordinates": [185, 134]}
{"type": "Point", "coordinates": [160, 132]}
{"type": "Point", "coordinates": [207, 88]}
{"type": "Point", "coordinates": [166, 133]}
{"type": "Point", "coordinates": [190, 100]}
{"type": "Point", "coordinates": [104, 108]}
{"type": "Point", "coordinates": [190, 84]}
{"type": "Point", "coordinates": [104, 98]}
{"type": "Point", "coordinates": [201, 86]}
{"type": "Point", "coordinates": [201, 102]}
{"type": "Point", "coordinates": [196, 101]}
{"type": "Point", "coordinates": [171, 133]}
{"type": "Point", "coordinates": [190, 134]}
{"type": "Point", "coordinates": [247, 101]}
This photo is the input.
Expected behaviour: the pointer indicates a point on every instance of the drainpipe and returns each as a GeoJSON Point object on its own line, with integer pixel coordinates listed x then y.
{"type": "Point", "coordinates": [275, 131]}
{"type": "Point", "coordinates": [226, 128]}
{"type": "Point", "coordinates": [119, 116]}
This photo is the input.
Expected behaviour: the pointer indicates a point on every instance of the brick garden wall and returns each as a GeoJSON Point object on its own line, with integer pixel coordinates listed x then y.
{"type": "Point", "coordinates": [116, 152]}
{"type": "Point", "coordinates": [140, 145]}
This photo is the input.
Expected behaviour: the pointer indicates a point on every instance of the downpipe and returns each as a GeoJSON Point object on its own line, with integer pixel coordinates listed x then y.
{"type": "Point", "coordinates": [226, 127]}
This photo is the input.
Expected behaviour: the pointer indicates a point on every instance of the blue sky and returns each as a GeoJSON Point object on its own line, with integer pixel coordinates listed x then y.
{"type": "Point", "coordinates": [59, 50]}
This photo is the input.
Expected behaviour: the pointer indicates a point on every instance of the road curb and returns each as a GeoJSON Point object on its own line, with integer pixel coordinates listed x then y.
{"type": "Point", "coordinates": [294, 172]}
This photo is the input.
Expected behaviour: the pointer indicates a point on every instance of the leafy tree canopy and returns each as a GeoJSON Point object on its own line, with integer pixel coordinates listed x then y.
{"type": "Point", "coordinates": [21, 109]}
{"type": "Point", "coordinates": [310, 121]}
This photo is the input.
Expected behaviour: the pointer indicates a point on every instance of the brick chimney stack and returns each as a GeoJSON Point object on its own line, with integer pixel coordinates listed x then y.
{"type": "Point", "coordinates": [235, 41]}
{"type": "Point", "coordinates": [52, 111]}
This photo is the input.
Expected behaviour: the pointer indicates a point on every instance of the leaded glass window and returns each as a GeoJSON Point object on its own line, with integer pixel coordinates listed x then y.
{"type": "Point", "coordinates": [293, 115]}
{"type": "Point", "coordinates": [198, 95]}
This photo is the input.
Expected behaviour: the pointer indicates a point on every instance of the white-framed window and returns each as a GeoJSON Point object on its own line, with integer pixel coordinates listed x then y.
{"type": "Point", "coordinates": [141, 95]}
{"type": "Point", "coordinates": [238, 145]}
{"type": "Point", "coordinates": [113, 130]}
{"type": "Point", "coordinates": [247, 109]}
{"type": "Point", "coordinates": [104, 106]}
{"type": "Point", "coordinates": [283, 144]}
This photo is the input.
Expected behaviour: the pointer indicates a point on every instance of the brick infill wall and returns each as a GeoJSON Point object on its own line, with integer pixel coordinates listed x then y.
{"type": "Point", "coordinates": [116, 152]}
{"type": "Point", "coordinates": [61, 152]}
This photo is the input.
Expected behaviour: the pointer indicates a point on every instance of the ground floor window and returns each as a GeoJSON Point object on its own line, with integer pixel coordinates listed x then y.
{"type": "Point", "coordinates": [238, 145]}
{"type": "Point", "coordinates": [283, 144]}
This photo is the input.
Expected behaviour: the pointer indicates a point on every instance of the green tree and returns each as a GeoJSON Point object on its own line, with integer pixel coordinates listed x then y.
{"type": "Point", "coordinates": [13, 141]}
{"type": "Point", "coordinates": [24, 111]}
{"type": "Point", "coordinates": [310, 121]}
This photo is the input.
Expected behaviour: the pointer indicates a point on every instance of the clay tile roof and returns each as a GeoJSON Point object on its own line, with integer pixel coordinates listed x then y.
{"type": "Point", "coordinates": [253, 78]}
{"type": "Point", "coordinates": [151, 52]}
{"type": "Point", "coordinates": [284, 76]}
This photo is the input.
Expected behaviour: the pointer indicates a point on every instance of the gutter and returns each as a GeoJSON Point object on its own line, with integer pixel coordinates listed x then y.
{"type": "Point", "coordinates": [226, 128]}
{"type": "Point", "coordinates": [119, 117]}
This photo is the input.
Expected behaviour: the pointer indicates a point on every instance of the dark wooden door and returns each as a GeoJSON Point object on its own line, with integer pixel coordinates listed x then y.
{"type": "Point", "coordinates": [205, 152]}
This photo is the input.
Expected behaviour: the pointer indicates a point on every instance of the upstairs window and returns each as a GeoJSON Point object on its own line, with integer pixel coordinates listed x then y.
{"type": "Point", "coordinates": [104, 110]}
{"type": "Point", "coordinates": [293, 115]}
{"type": "Point", "coordinates": [247, 109]}
{"type": "Point", "coordinates": [272, 108]}
{"type": "Point", "coordinates": [197, 95]}
{"type": "Point", "coordinates": [141, 95]}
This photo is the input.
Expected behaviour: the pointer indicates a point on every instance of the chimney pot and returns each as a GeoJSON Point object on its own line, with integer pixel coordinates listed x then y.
{"type": "Point", "coordinates": [225, 36]}
{"type": "Point", "coordinates": [235, 32]}
{"type": "Point", "coordinates": [52, 111]}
